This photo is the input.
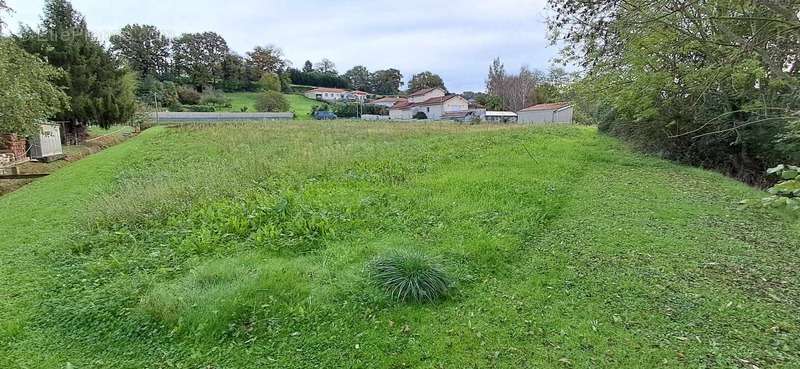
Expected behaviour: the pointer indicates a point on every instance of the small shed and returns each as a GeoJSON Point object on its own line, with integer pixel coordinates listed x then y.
{"type": "Point", "coordinates": [501, 116]}
{"type": "Point", "coordinates": [547, 113]}
{"type": "Point", "coordinates": [46, 145]}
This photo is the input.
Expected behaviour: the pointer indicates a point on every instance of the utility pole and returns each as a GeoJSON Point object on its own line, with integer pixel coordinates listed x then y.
{"type": "Point", "coordinates": [155, 98]}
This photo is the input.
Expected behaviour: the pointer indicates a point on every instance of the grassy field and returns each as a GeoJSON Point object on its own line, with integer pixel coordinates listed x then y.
{"type": "Point", "coordinates": [98, 140]}
{"type": "Point", "coordinates": [246, 245]}
{"type": "Point", "coordinates": [300, 105]}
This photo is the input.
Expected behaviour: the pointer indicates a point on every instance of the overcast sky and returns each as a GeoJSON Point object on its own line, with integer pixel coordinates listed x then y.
{"type": "Point", "coordinates": [456, 39]}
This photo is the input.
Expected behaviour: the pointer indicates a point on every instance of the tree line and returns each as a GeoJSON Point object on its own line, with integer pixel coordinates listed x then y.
{"type": "Point", "coordinates": [516, 91]}
{"type": "Point", "coordinates": [711, 84]}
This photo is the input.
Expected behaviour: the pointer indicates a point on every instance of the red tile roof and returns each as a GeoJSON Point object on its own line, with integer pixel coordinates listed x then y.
{"type": "Point", "coordinates": [437, 100]}
{"type": "Point", "coordinates": [390, 99]}
{"type": "Point", "coordinates": [327, 89]}
{"type": "Point", "coordinates": [553, 106]}
{"type": "Point", "coordinates": [403, 105]}
{"type": "Point", "coordinates": [357, 92]}
{"type": "Point", "coordinates": [432, 101]}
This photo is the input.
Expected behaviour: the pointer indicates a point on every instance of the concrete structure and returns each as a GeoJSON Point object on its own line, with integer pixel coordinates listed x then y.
{"type": "Point", "coordinates": [501, 117]}
{"type": "Point", "coordinates": [466, 116]}
{"type": "Point", "coordinates": [389, 101]}
{"type": "Point", "coordinates": [547, 113]}
{"type": "Point", "coordinates": [46, 146]}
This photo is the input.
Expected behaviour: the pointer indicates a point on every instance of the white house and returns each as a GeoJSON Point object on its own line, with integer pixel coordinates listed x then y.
{"type": "Point", "coordinates": [335, 94]}
{"type": "Point", "coordinates": [547, 113]}
{"type": "Point", "coordinates": [433, 102]}
{"type": "Point", "coordinates": [433, 108]}
{"type": "Point", "coordinates": [326, 94]}
{"type": "Point", "coordinates": [356, 95]}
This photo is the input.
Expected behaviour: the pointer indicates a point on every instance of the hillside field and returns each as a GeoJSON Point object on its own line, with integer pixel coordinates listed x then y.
{"type": "Point", "coordinates": [300, 105]}
{"type": "Point", "coordinates": [246, 246]}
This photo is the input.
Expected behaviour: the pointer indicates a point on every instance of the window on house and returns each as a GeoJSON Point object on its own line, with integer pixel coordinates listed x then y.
{"type": "Point", "coordinates": [429, 109]}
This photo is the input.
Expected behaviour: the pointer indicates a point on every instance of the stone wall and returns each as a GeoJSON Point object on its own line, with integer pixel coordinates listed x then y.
{"type": "Point", "coordinates": [12, 149]}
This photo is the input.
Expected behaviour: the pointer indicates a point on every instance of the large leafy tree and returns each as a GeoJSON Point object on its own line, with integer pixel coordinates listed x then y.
{"type": "Point", "coordinates": [358, 77]}
{"type": "Point", "coordinates": [199, 58]}
{"type": "Point", "coordinates": [386, 82]}
{"type": "Point", "coordinates": [144, 48]}
{"type": "Point", "coordinates": [99, 88]}
{"type": "Point", "coordinates": [425, 80]}
{"type": "Point", "coordinates": [715, 84]}
{"type": "Point", "coordinates": [326, 66]}
{"type": "Point", "coordinates": [308, 67]}
{"type": "Point", "coordinates": [238, 74]}
{"type": "Point", "coordinates": [267, 59]}
{"type": "Point", "coordinates": [515, 91]}
{"type": "Point", "coordinates": [27, 94]}
{"type": "Point", "coordinates": [3, 9]}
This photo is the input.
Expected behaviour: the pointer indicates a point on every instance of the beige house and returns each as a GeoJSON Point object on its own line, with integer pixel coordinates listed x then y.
{"type": "Point", "coordinates": [547, 113]}
{"type": "Point", "coordinates": [433, 102]}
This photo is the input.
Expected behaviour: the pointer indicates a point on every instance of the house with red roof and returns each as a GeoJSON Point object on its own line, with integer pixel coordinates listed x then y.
{"type": "Point", "coordinates": [561, 112]}
{"type": "Point", "coordinates": [335, 94]}
{"type": "Point", "coordinates": [389, 101]}
{"type": "Point", "coordinates": [435, 103]}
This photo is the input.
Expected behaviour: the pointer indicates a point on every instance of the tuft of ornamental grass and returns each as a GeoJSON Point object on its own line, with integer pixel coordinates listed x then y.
{"type": "Point", "coordinates": [410, 276]}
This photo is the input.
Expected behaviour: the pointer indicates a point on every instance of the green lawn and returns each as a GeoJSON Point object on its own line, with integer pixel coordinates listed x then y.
{"type": "Point", "coordinates": [300, 105]}
{"type": "Point", "coordinates": [245, 246]}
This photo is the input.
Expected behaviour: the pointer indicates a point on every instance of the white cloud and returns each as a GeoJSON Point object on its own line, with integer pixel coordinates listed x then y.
{"type": "Point", "coordinates": [457, 39]}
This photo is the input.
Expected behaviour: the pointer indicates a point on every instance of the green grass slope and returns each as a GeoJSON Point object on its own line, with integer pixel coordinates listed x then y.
{"type": "Point", "coordinates": [300, 105]}
{"type": "Point", "coordinates": [245, 246]}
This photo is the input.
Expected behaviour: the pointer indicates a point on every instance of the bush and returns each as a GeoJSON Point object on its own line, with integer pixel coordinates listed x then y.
{"type": "Point", "coordinates": [317, 79]}
{"type": "Point", "coordinates": [215, 98]}
{"type": "Point", "coordinates": [351, 110]}
{"type": "Point", "coordinates": [420, 115]}
{"type": "Point", "coordinates": [410, 276]}
{"type": "Point", "coordinates": [785, 194]}
{"type": "Point", "coordinates": [198, 108]}
{"type": "Point", "coordinates": [189, 96]}
{"type": "Point", "coordinates": [270, 82]}
{"type": "Point", "coordinates": [323, 107]}
{"type": "Point", "coordinates": [272, 101]}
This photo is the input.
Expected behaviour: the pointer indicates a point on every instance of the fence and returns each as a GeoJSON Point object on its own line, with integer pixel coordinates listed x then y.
{"type": "Point", "coordinates": [217, 117]}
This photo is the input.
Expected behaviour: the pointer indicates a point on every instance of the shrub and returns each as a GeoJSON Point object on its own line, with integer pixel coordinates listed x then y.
{"type": "Point", "coordinates": [323, 107]}
{"type": "Point", "coordinates": [420, 115]}
{"type": "Point", "coordinates": [215, 98]}
{"type": "Point", "coordinates": [318, 79]}
{"type": "Point", "coordinates": [198, 108]}
{"type": "Point", "coordinates": [272, 101]}
{"type": "Point", "coordinates": [351, 110]}
{"type": "Point", "coordinates": [270, 82]}
{"type": "Point", "coordinates": [189, 96]}
{"type": "Point", "coordinates": [785, 194]}
{"type": "Point", "coordinates": [410, 276]}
